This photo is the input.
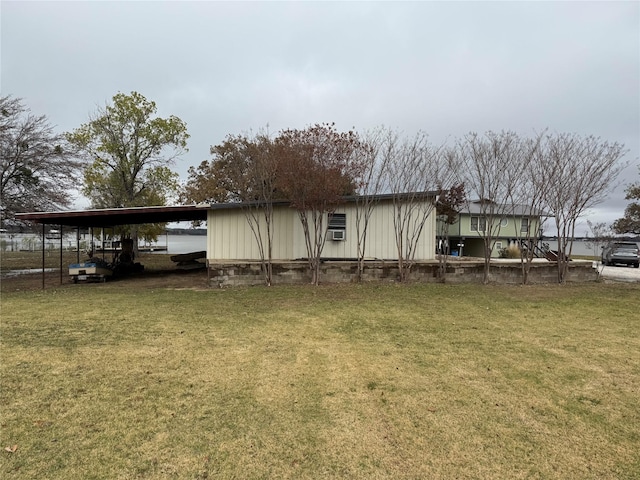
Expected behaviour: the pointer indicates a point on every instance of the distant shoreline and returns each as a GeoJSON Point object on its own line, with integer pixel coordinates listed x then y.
{"type": "Point", "coordinates": [630, 238]}
{"type": "Point", "coordinates": [187, 231]}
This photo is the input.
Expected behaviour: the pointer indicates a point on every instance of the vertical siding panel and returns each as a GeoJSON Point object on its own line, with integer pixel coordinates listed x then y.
{"type": "Point", "coordinates": [282, 233]}
{"type": "Point", "coordinates": [244, 229]}
{"type": "Point", "coordinates": [225, 233]}
{"type": "Point", "coordinates": [372, 249]}
{"type": "Point", "coordinates": [299, 248]}
{"type": "Point", "coordinates": [288, 233]}
{"type": "Point", "coordinates": [229, 235]}
{"type": "Point", "coordinates": [209, 234]}
{"type": "Point", "coordinates": [277, 234]}
{"type": "Point", "coordinates": [217, 235]}
{"type": "Point", "coordinates": [219, 229]}
{"type": "Point", "coordinates": [219, 243]}
{"type": "Point", "coordinates": [236, 245]}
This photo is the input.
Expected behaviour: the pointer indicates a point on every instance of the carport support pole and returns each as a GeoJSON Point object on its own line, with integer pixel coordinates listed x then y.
{"type": "Point", "coordinates": [78, 245]}
{"type": "Point", "coordinates": [61, 232]}
{"type": "Point", "coordinates": [43, 225]}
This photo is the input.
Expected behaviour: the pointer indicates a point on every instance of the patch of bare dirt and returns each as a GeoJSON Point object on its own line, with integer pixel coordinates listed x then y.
{"type": "Point", "coordinates": [149, 279]}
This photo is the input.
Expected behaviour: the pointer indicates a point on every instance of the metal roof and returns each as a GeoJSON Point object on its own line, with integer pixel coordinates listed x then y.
{"type": "Point", "coordinates": [405, 196]}
{"type": "Point", "coordinates": [111, 217]}
{"type": "Point", "coordinates": [505, 210]}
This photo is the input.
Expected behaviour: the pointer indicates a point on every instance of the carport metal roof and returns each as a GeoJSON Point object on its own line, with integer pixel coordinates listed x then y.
{"type": "Point", "coordinates": [111, 217]}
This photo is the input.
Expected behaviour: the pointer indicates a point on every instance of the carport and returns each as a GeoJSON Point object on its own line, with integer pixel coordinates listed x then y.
{"type": "Point", "coordinates": [109, 218]}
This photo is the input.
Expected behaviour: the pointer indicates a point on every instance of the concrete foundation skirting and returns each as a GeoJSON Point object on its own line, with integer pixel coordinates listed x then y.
{"type": "Point", "coordinates": [234, 273]}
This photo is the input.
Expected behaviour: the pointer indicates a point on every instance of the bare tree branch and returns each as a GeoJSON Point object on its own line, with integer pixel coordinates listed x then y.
{"type": "Point", "coordinates": [37, 166]}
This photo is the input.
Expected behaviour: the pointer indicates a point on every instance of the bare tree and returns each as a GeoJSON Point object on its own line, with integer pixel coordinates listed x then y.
{"type": "Point", "coordinates": [448, 206]}
{"type": "Point", "coordinates": [258, 198]}
{"type": "Point", "coordinates": [490, 169]}
{"type": "Point", "coordinates": [370, 184]}
{"type": "Point", "coordinates": [581, 172]}
{"type": "Point", "coordinates": [528, 198]}
{"type": "Point", "coordinates": [415, 170]}
{"type": "Point", "coordinates": [317, 168]}
{"type": "Point", "coordinates": [598, 235]}
{"type": "Point", "coordinates": [244, 170]}
{"type": "Point", "coordinates": [37, 167]}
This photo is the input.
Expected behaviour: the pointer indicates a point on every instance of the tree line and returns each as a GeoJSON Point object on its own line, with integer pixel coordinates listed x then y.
{"type": "Point", "coordinates": [122, 157]}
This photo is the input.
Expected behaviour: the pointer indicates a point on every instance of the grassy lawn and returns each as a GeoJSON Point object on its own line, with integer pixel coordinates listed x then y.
{"type": "Point", "coordinates": [116, 381]}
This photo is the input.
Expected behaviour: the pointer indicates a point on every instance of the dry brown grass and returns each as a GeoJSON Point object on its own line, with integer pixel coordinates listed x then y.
{"type": "Point", "coordinates": [376, 381]}
{"type": "Point", "coordinates": [159, 270]}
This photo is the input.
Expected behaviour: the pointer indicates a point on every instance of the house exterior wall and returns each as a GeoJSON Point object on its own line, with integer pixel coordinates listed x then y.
{"type": "Point", "coordinates": [229, 236]}
{"type": "Point", "coordinates": [462, 227]}
{"type": "Point", "coordinates": [473, 242]}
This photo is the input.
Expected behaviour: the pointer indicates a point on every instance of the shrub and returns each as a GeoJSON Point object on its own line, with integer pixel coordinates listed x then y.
{"type": "Point", "coordinates": [512, 251]}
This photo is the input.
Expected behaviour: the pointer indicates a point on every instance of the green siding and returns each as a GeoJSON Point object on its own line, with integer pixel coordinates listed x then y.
{"type": "Point", "coordinates": [473, 244]}
{"type": "Point", "coordinates": [511, 230]}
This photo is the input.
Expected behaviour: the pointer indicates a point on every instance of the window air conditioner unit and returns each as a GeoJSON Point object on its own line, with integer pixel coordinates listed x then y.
{"type": "Point", "coordinates": [337, 235]}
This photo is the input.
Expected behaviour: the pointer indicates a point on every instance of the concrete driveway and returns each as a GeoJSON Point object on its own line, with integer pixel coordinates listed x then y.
{"type": "Point", "coordinates": [619, 273]}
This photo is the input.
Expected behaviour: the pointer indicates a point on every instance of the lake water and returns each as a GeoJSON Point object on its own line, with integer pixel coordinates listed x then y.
{"type": "Point", "coordinates": [27, 241]}
{"type": "Point", "coordinates": [580, 247]}
{"type": "Point", "coordinates": [182, 243]}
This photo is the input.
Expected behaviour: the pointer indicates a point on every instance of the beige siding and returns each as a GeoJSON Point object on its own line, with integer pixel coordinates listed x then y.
{"type": "Point", "coordinates": [229, 236]}
{"type": "Point", "coordinates": [381, 239]}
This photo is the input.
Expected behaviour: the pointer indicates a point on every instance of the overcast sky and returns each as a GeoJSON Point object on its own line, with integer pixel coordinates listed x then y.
{"type": "Point", "coordinates": [229, 67]}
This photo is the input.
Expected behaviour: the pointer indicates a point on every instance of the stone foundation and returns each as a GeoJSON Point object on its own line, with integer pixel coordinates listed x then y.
{"type": "Point", "coordinates": [225, 274]}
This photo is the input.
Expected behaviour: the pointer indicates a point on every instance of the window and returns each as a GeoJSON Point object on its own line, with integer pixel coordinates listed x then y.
{"type": "Point", "coordinates": [524, 225]}
{"type": "Point", "coordinates": [337, 221]}
{"type": "Point", "coordinates": [504, 221]}
{"type": "Point", "coordinates": [498, 245]}
{"type": "Point", "coordinates": [337, 226]}
{"type": "Point", "coordinates": [478, 224]}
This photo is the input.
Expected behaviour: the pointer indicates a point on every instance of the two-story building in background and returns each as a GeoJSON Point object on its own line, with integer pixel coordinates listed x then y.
{"type": "Point", "coordinates": [513, 225]}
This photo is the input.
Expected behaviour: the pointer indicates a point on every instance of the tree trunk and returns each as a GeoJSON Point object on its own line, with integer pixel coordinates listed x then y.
{"type": "Point", "coordinates": [487, 264]}
{"type": "Point", "coordinates": [136, 248]}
